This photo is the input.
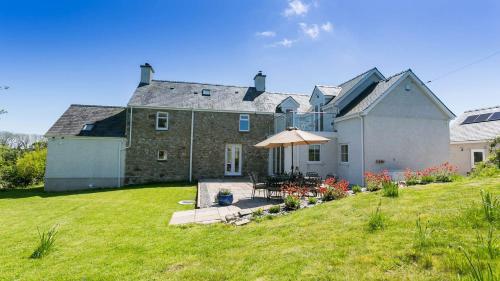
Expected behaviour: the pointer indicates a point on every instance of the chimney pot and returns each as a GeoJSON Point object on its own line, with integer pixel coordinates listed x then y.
{"type": "Point", "coordinates": [146, 74]}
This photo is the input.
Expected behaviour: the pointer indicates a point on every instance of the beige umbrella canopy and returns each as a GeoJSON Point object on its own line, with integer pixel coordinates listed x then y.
{"type": "Point", "coordinates": [290, 137]}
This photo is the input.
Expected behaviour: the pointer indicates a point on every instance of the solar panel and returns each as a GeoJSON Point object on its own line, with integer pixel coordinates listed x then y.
{"type": "Point", "coordinates": [470, 119]}
{"type": "Point", "coordinates": [482, 117]}
{"type": "Point", "coordinates": [495, 116]}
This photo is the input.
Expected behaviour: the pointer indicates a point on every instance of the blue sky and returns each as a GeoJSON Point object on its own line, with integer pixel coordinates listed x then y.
{"type": "Point", "coordinates": [53, 54]}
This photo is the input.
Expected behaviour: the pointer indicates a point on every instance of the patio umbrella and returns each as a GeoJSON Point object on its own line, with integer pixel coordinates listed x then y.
{"type": "Point", "coordinates": [291, 136]}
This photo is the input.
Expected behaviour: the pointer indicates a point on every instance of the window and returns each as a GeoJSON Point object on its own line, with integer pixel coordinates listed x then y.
{"type": "Point", "coordinates": [88, 127]}
{"type": "Point", "coordinates": [205, 92]}
{"type": "Point", "coordinates": [162, 155]}
{"type": "Point", "coordinates": [314, 153]}
{"type": "Point", "coordinates": [162, 121]}
{"type": "Point", "coordinates": [477, 155]}
{"type": "Point", "coordinates": [344, 153]}
{"type": "Point", "coordinates": [244, 123]}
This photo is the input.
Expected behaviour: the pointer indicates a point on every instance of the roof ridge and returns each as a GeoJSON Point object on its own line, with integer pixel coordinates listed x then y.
{"type": "Point", "coordinates": [93, 105]}
{"type": "Point", "coordinates": [222, 85]}
{"type": "Point", "coordinates": [357, 76]}
{"type": "Point", "coordinates": [397, 74]}
{"type": "Point", "coordinates": [484, 108]}
{"type": "Point", "coordinates": [327, 86]}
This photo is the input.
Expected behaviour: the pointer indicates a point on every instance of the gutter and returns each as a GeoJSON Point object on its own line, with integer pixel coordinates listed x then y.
{"type": "Point", "coordinates": [362, 149]}
{"type": "Point", "coordinates": [125, 148]}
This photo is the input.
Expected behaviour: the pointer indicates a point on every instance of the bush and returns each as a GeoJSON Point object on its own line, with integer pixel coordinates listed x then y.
{"type": "Point", "coordinates": [485, 170]}
{"type": "Point", "coordinates": [390, 189]}
{"type": "Point", "coordinates": [374, 181]}
{"type": "Point", "coordinates": [292, 202]}
{"type": "Point", "coordinates": [312, 200]}
{"type": "Point", "coordinates": [376, 219]}
{"type": "Point", "coordinates": [356, 189]}
{"type": "Point", "coordinates": [427, 179]}
{"type": "Point", "coordinates": [334, 189]}
{"type": "Point", "coordinates": [275, 209]}
{"type": "Point", "coordinates": [257, 213]}
{"type": "Point", "coordinates": [442, 173]}
{"type": "Point", "coordinates": [47, 240]}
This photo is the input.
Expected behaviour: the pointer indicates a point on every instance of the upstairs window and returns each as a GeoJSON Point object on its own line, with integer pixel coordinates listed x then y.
{"type": "Point", "coordinates": [344, 153]}
{"type": "Point", "coordinates": [205, 92]}
{"type": "Point", "coordinates": [244, 123]}
{"type": "Point", "coordinates": [162, 121]}
{"type": "Point", "coordinates": [314, 153]}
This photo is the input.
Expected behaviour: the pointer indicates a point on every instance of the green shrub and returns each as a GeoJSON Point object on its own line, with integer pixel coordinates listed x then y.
{"type": "Point", "coordinates": [485, 170]}
{"type": "Point", "coordinates": [292, 202]}
{"type": "Point", "coordinates": [376, 219]}
{"type": "Point", "coordinates": [412, 182]}
{"type": "Point", "coordinates": [257, 213]}
{"type": "Point", "coordinates": [390, 189]}
{"type": "Point", "coordinates": [356, 189]}
{"type": "Point", "coordinates": [491, 206]}
{"type": "Point", "coordinates": [427, 179]}
{"type": "Point", "coordinates": [275, 209]}
{"type": "Point", "coordinates": [312, 200]}
{"type": "Point", "coordinates": [47, 240]}
{"type": "Point", "coordinates": [31, 166]}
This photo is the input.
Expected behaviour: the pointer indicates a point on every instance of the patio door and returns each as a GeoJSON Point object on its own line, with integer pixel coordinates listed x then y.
{"type": "Point", "coordinates": [233, 160]}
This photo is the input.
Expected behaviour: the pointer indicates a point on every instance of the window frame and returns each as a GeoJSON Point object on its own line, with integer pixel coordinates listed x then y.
{"type": "Point", "coordinates": [206, 92]}
{"type": "Point", "coordinates": [165, 153]}
{"type": "Point", "coordinates": [248, 120]}
{"type": "Point", "coordinates": [472, 151]}
{"type": "Point", "coordinates": [309, 155]}
{"type": "Point", "coordinates": [341, 153]}
{"type": "Point", "coordinates": [88, 127]}
{"type": "Point", "coordinates": [163, 117]}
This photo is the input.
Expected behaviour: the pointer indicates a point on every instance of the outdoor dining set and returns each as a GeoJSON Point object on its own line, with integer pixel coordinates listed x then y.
{"type": "Point", "coordinates": [274, 186]}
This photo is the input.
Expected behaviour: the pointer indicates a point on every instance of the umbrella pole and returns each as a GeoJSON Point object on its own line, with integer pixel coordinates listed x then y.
{"type": "Point", "coordinates": [292, 159]}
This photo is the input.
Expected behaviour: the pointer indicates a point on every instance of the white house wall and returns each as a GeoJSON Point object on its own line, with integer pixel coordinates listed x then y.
{"type": "Point", "coordinates": [405, 130]}
{"type": "Point", "coordinates": [82, 163]}
{"type": "Point", "coordinates": [328, 157]}
{"type": "Point", "coordinates": [461, 155]}
{"type": "Point", "coordinates": [349, 132]}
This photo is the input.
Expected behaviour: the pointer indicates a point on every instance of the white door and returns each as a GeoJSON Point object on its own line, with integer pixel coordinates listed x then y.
{"type": "Point", "coordinates": [233, 160]}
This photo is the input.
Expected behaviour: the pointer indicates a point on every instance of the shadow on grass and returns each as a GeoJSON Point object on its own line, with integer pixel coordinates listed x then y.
{"type": "Point", "coordinates": [18, 193]}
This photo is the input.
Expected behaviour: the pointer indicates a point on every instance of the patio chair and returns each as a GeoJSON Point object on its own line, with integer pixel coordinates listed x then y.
{"type": "Point", "coordinates": [257, 185]}
{"type": "Point", "coordinates": [312, 175]}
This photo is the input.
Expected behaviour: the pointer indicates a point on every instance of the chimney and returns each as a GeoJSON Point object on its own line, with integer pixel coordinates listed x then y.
{"type": "Point", "coordinates": [260, 82]}
{"type": "Point", "coordinates": [146, 74]}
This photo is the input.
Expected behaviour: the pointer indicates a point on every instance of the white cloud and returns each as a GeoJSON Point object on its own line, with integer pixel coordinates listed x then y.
{"type": "Point", "coordinates": [327, 26]}
{"type": "Point", "coordinates": [296, 8]}
{"type": "Point", "coordinates": [287, 43]}
{"type": "Point", "coordinates": [310, 30]}
{"type": "Point", "coordinates": [266, 33]}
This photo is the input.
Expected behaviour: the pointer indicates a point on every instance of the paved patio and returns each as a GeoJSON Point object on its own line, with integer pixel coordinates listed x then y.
{"type": "Point", "coordinates": [210, 212]}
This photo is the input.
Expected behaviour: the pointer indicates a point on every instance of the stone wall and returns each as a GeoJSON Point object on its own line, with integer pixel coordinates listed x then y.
{"type": "Point", "coordinates": [212, 131]}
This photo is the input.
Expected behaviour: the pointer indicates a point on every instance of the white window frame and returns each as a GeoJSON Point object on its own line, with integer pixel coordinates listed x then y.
{"type": "Point", "coordinates": [165, 154]}
{"type": "Point", "coordinates": [88, 127]}
{"type": "Point", "coordinates": [163, 117]}
{"type": "Point", "coordinates": [314, 161]}
{"type": "Point", "coordinates": [239, 122]}
{"type": "Point", "coordinates": [472, 151]}
{"type": "Point", "coordinates": [340, 153]}
{"type": "Point", "coordinates": [206, 92]}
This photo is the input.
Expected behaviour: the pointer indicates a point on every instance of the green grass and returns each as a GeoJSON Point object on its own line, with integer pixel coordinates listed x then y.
{"type": "Point", "coordinates": [124, 235]}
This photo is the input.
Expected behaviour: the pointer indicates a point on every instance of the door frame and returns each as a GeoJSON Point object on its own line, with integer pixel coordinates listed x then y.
{"type": "Point", "coordinates": [233, 157]}
{"type": "Point", "coordinates": [472, 163]}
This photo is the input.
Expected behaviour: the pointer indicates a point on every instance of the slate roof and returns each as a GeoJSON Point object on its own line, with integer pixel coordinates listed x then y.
{"type": "Point", "coordinates": [330, 92]}
{"type": "Point", "coordinates": [482, 131]}
{"type": "Point", "coordinates": [188, 95]}
{"type": "Point", "coordinates": [370, 95]}
{"type": "Point", "coordinates": [349, 84]}
{"type": "Point", "coordinates": [109, 121]}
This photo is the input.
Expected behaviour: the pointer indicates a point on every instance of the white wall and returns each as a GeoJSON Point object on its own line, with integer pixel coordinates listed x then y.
{"type": "Point", "coordinates": [461, 156]}
{"type": "Point", "coordinates": [84, 162]}
{"type": "Point", "coordinates": [328, 157]}
{"type": "Point", "coordinates": [406, 130]}
{"type": "Point", "coordinates": [349, 132]}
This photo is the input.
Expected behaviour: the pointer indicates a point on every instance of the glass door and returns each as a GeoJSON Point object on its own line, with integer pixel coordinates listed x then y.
{"type": "Point", "coordinates": [233, 160]}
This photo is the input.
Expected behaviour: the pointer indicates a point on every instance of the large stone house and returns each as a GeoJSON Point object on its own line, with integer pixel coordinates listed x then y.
{"type": "Point", "coordinates": [183, 131]}
{"type": "Point", "coordinates": [470, 137]}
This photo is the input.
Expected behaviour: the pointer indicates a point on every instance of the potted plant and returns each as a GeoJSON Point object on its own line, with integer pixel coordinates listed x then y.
{"type": "Point", "coordinates": [225, 197]}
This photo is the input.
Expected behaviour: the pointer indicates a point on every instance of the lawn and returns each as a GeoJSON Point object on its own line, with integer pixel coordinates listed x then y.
{"type": "Point", "coordinates": [124, 235]}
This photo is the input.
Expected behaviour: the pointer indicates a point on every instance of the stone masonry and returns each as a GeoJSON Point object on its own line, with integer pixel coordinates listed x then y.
{"type": "Point", "coordinates": [212, 131]}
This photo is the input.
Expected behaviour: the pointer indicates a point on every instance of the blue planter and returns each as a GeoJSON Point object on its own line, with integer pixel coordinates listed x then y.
{"type": "Point", "coordinates": [225, 200]}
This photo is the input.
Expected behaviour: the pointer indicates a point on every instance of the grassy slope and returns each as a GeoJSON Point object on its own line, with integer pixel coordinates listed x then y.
{"type": "Point", "coordinates": [123, 234]}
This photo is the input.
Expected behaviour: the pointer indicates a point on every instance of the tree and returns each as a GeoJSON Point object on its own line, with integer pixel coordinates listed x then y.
{"type": "Point", "coordinates": [3, 111]}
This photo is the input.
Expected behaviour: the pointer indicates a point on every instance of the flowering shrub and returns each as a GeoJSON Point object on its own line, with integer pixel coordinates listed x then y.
{"type": "Point", "coordinates": [334, 189]}
{"type": "Point", "coordinates": [375, 181]}
{"type": "Point", "coordinates": [442, 173]}
{"type": "Point", "coordinates": [295, 190]}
